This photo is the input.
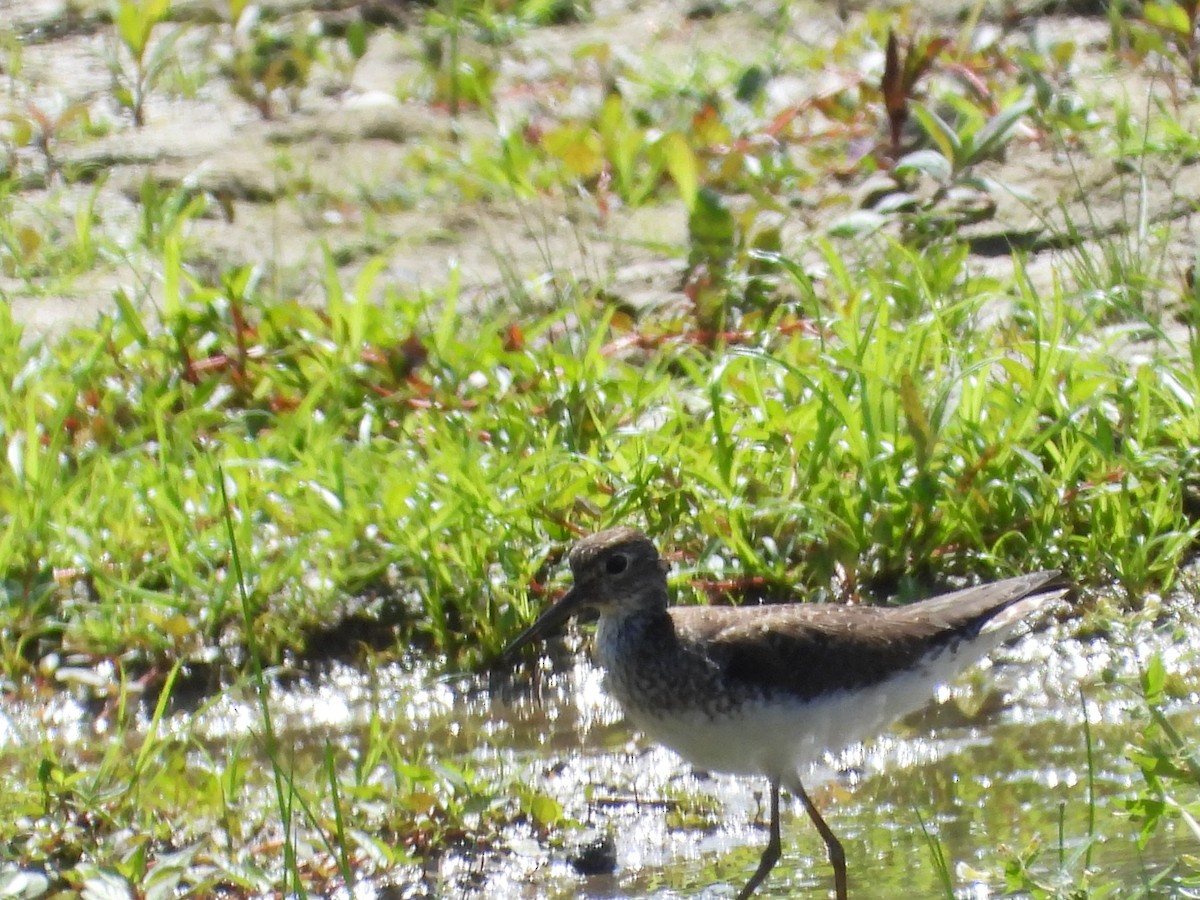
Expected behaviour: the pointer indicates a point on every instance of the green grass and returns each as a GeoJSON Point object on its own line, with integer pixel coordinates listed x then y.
{"type": "Point", "coordinates": [421, 464]}
{"type": "Point", "coordinates": [220, 478]}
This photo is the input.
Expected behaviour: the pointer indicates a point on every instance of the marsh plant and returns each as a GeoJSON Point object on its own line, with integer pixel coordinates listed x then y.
{"type": "Point", "coordinates": [138, 58]}
{"type": "Point", "coordinates": [269, 61]}
{"type": "Point", "coordinates": [208, 484]}
{"type": "Point", "coordinates": [40, 126]}
{"type": "Point", "coordinates": [1169, 29]}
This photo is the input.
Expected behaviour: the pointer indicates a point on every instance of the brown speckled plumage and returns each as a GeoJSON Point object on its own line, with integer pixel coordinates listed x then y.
{"type": "Point", "coordinates": [766, 689]}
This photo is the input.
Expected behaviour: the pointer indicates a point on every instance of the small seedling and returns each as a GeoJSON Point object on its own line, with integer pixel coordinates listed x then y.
{"type": "Point", "coordinates": [959, 150]}
{"type": "Point", "coordinates": [458, 78]}
{"type": "Point", "coordinates": [269, 60]}
{"type": "Point", "coordinates": [39, 128]}
{"type": "Point", "coordinates": [12, 52]}
{"type": "Point", "coordinates": [902, 70]}
{"type": "Point", "coordinates": [1173, 27]}
{"type": "Point", "coordinates": [134, 22]}
{"type": "Point", "coordinates": [346, 53]}
{"type": "Point", "coordinates": [1167, 760]}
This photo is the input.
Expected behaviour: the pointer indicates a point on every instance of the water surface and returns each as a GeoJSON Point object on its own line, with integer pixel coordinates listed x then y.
{"type": "Point", "coordinates": [1003, 764]}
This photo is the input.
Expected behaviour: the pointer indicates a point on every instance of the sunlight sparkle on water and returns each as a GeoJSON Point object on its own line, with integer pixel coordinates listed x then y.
{"type": "Point", "coordinates": [1009, 738]}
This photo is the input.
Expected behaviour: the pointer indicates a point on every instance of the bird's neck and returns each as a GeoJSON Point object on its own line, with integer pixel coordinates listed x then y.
{"type": "Point", "coordinates": [624, 636]}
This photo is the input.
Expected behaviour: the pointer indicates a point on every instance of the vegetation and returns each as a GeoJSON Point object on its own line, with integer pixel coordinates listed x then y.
{"type": "Point", "coordinates": [230, 478]}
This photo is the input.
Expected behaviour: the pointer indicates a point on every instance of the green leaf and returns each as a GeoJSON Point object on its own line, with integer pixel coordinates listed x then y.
{"type": "Point", "coordinates": [1168, 16]}
{"type": "Point", "coordinates": [128, 19]}
{"type": "Point", "coordinates": [684, 169]}
{"type": "Point", "coordinates": [130, 316]}
{"type": "Point", "coordinates": [545, 810]}
{"type": "Point", "coordinates": [1153, 679]}
{"type": "Point", "coordinates": [711, 228]}
{"type": "Point", "coordinates": [29, 239]}
{"type": "Point", "coordinates": [938, 130]}
{"type": "Point", "coordinates": [136, 20]}
{"type": "Point", "coordinates": [918, 422]}
{"type": "Point", "coordinates": [335, 296]}
{"type": "Point", "coordinates": [859, 223]}
{"type": "Point", "coordinates": [927, 162]}
{"type": "Point", "coordinates": [20, 128]}
{"type": "Point", "coordinates": [236, 8]}
{"type": "Point", "coordinates": [579, 149]}
{"type": "Point", "coordinates": [106, 885]}
{"type": "Point", "coordinates": [356, 38]}
{"type": "Point", "coordinates": [996, 131]}
{"type": "Point", "coordinates": [751, 84]}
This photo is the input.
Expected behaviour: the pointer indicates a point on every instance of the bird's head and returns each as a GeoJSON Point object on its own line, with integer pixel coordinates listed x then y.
{"type": "Point", "coordinates": [617, 572]}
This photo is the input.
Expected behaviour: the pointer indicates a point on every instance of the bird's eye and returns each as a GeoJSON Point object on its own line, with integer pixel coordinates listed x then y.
{"type": "Point", "coordinates": [616, 564]}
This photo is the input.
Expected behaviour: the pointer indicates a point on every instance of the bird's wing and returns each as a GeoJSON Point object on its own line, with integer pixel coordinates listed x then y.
{"type": "Point", "coordinates": [974, 606]}
{"type": "Point", "coordinates": [812, 649]}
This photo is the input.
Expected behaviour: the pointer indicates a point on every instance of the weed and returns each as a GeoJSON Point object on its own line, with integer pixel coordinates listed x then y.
{"type": "Point", "coordinates": [268, 60]}
{"type": "Point", "coordinates": [1168, 765]}
{"type": "Point", "coordinates": [457, 77]}
{"type": "Point", "coordinates": [135, 68]}
{"type": "Point", "coordinates": [347, 54]}
{"type": "Point", "coordinates": [1169, 29]}
{"type": "Point", "coordinates": [901, 73]}
{"type": "Point", "coordinates": [41, 128]}
{"type": "Point", "coordinates": [13, 65]}
{"type": "Point", "coordinates": [937, 852]}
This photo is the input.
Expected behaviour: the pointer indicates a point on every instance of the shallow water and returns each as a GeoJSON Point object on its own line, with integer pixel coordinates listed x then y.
{"type": "Point", "coordinates": [1001, 762]}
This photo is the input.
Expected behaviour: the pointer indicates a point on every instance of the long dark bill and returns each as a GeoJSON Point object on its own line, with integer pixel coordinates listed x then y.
{"type": "Point", "coordinates": [568, 604]}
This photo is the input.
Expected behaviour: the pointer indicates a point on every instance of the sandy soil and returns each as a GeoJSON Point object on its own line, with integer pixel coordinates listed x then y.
{"type": "Point", "coordinates": [339, 172]}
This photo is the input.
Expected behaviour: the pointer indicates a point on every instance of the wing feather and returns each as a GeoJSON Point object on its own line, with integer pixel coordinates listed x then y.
{"type": "Point", "coordinates": [812, 649]}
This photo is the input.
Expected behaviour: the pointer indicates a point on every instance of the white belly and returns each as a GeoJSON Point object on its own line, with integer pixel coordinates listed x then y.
{"type": "Point", "coordinates": [782, 738]}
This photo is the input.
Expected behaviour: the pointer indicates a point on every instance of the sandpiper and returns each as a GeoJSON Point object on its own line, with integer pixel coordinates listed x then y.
{"type": "Point", "coordinates": [767, 690]}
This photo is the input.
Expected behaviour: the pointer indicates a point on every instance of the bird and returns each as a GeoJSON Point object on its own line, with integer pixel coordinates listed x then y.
{"type": "Point", "coordinates": [767, 690]}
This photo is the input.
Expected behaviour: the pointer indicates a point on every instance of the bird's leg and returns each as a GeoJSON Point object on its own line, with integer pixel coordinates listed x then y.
{"type": "Point", "coordinates": [837, 856]}
{"type": "Point", "coordinates": [771, 854]}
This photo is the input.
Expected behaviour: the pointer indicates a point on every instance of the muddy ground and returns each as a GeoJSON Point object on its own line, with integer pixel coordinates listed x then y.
{"type": "Point", "coordinates": [339, 171]}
